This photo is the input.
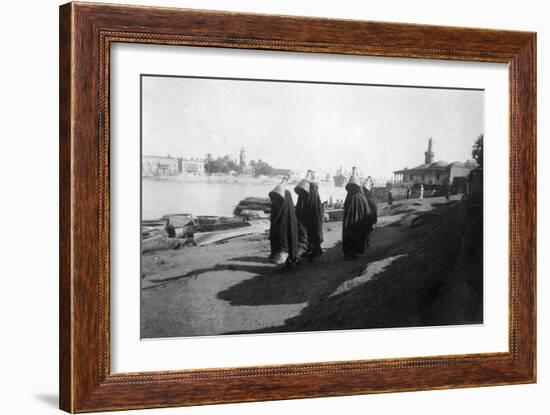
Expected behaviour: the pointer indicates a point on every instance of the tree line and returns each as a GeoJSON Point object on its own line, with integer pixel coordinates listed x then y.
{"type": "Point", "coordinates": [477, 151]}
{"type": "Point", "coordinates": [226, 165]}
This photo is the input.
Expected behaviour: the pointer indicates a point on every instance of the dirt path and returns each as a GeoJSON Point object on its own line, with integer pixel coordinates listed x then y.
{"type": "Point", "coordinates": [232, 288]}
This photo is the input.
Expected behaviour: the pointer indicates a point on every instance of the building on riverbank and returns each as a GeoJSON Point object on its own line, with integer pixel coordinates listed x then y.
{"type": "Point", "coordinates": [430, 172]}
{"type": "Point", "coordinates": [160, 166]}
{"type": "Point", "coordinates": [157, 166]}
{"type": "Point", "coordinates": [192, 165]}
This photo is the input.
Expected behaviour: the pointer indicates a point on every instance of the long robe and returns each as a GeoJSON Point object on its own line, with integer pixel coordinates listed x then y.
{"type": "Point", "coordinates": [301, 216]}
{"type": "Point", "coordinates": [283, 232]}
{"type": "Point", "coordinates": [314, 222]}
{"type": "Point", "coordinates": [373, 207]}
{"type": "Point", "coordinates": [309, 212]}
{"type": "Point", "coordinates": [354, 228]}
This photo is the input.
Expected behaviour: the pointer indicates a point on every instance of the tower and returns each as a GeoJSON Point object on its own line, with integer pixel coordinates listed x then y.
{"type": "Point", "coordinates": [242, 159]}
{"type": "Point", "coordinates": [429, 155]}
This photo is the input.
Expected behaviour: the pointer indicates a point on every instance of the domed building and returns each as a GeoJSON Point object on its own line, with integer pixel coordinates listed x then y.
{"type": "Point", "coordinates": [430, 172]}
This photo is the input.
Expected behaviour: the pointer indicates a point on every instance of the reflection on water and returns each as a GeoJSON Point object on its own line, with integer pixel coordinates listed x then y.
{"type": "Point", "coordinates": [206, 196]}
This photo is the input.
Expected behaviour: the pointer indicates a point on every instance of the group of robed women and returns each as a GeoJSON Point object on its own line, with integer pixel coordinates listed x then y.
{"type": "Point", "coordinates": [296, 231]}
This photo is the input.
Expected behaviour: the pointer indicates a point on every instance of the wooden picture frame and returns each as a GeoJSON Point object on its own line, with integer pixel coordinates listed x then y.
{"type": "Point", "coordinates": [86, 33]}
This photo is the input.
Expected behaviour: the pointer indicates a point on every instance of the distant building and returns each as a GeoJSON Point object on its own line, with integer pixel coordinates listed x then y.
{"type": "Point", "coordinates": [430, 172]}
{"type": "Point", "coordinates": [193, 166]}
{"type": "Point", "coordinates": [156, 166]}
{"type": "Point", "coordinates": [159, 166]}
{"type": "Point", "coordinates": [282, 172]}
{"type": "Point", "coordinates": [242, 161]}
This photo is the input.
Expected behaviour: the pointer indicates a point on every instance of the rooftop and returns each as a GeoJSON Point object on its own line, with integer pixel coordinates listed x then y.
{"type": "Point", "coordinates": [437, 165]}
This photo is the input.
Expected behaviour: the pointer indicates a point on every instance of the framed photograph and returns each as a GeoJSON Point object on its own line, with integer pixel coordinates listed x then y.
{"type": "Point", "coordinates": [258, 207]}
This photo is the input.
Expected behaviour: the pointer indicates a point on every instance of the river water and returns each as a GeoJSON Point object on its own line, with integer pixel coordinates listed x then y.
{"type": "Point", "coordinates": [202, 195]}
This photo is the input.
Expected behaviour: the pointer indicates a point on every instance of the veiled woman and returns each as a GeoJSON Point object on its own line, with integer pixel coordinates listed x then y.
{"type": "Point", "coordinates": [309, 212]}
{"type": "Point", "coordinates": [356, 212]}
{"type": "Point", "coordinates": [283, 231]}
{"type": "Point", "coordinates": [302, 190]}
{"type": "Point", "coordinates": [368, 190]}
{"type": "Point", "coordinates": [314, 223]}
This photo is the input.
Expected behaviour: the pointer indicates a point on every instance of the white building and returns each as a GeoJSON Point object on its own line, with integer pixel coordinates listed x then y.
{"type": "Point", "coordinates": [157, 166]}
{"type": "Point", "coordinates": [193, 166]}
{"type": "Point", "coordinates": [430, 172]}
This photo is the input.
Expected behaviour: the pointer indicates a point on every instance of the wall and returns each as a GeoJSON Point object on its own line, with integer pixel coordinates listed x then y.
{"type": "Point", "coordinates": [29, 249]}
{"type": "Point", "coordinates": [458, 171]}
{"type": "Point", "coordinates": [425, 176]}
{"type": "Point", "coordinates": [193, 166]}
{"type": "Point", "coordinates": [159, 166]}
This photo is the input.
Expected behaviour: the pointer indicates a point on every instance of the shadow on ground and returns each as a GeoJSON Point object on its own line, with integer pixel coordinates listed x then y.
{"type": "Point", "coordinates": [256, 259]}
{"type": "Point", "coordinates": [439, 282]}
{"type": "Point", "coordinates": [305, 282]}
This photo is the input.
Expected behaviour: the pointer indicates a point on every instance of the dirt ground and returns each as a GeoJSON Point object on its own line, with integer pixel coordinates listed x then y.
{"type": "Point", "coordinates": [435, 278]}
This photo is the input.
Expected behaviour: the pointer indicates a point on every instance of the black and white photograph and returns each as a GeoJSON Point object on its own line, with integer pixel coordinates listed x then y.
{"type": "Point", "coordinates": [284, 206]}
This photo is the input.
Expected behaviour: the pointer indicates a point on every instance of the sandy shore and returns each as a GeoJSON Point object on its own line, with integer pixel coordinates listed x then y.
{"type": "Point", "coordinates": [231, 288]}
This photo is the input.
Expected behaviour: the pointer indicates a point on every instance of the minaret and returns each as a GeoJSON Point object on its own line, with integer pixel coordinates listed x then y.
{"type": "Point", "coordinates": [242, 158]}
{"type": "Point", "coordinates": [429, 155]}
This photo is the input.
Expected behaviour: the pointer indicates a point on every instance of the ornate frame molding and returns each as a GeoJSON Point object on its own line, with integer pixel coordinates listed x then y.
{"type": "Point", "coordinates": [86, 34]}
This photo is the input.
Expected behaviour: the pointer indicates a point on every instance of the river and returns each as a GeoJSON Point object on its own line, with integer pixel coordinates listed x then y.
{"type": "Point", "coordinates": [203, 195]}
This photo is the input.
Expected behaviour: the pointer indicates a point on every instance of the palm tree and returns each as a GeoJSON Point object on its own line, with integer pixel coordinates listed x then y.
{"type": "Point", "coordinates": [477, 151]}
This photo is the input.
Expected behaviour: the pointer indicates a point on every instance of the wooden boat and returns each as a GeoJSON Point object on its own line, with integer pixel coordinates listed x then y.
{"type": "Point", "coordinates": [254, 214]}
{"type": "Point", "coordinates": [151, 228]}
{"type": "Point", "coordinates": [253, 203]}
{"type": "Point", "coordinates": [248, 228]}
{"type": "Point", "coordinates": [207, 219]}
{"type": "Point", "coordinates": [335, 215]}
{"type": "Point", "coordinates": [223, 226]}
{"type": "Point", "coordinates": [160, 242]}
{"type": "Point", "coordinates": [178, 219]}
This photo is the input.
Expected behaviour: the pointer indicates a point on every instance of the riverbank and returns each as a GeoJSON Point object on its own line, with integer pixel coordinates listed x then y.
{"type": "Point", "coordinates": [231, 287]}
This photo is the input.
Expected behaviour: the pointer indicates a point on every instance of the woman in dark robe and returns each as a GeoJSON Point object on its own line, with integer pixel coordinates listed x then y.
{"type": "Point", "coordinates": [373, 207]}
{"type": "Point", "coordinates": [314, 222]}
{"type": "Point", "coordinates": [356, 212]}
{"type": "Point", "coordinates": [283, 232]}
{"type": "Point", "coordinates": [302, 190]}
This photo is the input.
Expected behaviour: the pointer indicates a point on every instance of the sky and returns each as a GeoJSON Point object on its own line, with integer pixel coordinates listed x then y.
{"type": "Point", "coordinates": [303, 126]}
